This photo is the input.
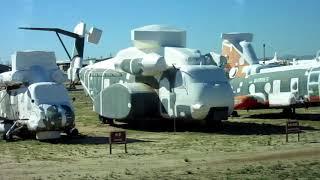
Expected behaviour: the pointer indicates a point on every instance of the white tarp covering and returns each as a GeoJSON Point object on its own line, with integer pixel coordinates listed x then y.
{"type": "Point", "coordinates": [158, 35]}
{"type": "Point", "coordinates": [23, 60]}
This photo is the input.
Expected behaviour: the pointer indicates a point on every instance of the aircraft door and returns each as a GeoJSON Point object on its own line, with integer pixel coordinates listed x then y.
{"type": "Point", "coordinates": [170, 84]}
{"type": "Point", "coordinates": [294, 85]}
{"type": "Point", "coordinates": [313, 87]}
{"type": "Point", "coordinates": [276, 87]}
{"type": "Point", "coordinates": [165, 95]}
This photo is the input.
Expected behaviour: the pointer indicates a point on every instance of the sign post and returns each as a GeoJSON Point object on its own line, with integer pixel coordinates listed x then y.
{"type": "Point", "coordinates": [292, 126]}
{"type": "Point", "coordinates": [118, 137]}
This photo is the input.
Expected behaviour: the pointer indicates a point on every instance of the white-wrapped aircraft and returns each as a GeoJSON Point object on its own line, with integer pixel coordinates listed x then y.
{"type": "Point", "coordinates": [33, 98]}
{"type": "Point", "coordinates": [157, 77]}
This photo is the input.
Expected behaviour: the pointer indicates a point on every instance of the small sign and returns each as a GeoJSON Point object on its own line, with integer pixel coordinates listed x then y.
{"type": "Point", "coordinates": [292, 126]}
{"type": "Point", "coordinates": [118, 137]}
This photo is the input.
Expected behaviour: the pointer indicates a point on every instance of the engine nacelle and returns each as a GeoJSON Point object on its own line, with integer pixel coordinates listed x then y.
{"type": "Point", "coordinates": [123, 101]}
{"type": "Point", "coordinates": [149, 65]}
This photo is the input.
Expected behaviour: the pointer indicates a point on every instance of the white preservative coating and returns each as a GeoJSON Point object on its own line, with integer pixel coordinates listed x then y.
{"type": "Point", "coordinates": [33, 98]}
{"type": "Point", "coordinates": [158, 36]}
{"type": "Point", "coordinates": [158, 77]}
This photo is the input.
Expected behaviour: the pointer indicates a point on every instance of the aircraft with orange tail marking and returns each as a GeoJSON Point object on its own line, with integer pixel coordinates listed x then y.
{"type": "Point", "coordinates": [269, 85]}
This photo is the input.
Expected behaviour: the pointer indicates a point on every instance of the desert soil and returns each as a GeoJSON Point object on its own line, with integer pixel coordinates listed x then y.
{"type": "Point", "coordinates": [251, 146]}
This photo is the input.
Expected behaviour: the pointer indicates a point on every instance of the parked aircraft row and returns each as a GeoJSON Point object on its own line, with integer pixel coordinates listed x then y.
{"type": "Point", "coordinates": [157, 77]}
{"type": "Point", "coordinates": [269, 85]}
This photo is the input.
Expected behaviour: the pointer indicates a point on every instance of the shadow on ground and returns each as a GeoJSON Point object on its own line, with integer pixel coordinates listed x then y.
{"type": "Point", "coordinates": [299, 116]}
{"type": "Point", "coordinates": [93, 140]}
{"type": "Point", "coordinates": [228, 127]}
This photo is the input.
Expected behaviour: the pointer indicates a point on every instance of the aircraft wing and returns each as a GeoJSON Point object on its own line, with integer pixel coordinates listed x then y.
{"type": "Point", "coordinates": [57, 30]}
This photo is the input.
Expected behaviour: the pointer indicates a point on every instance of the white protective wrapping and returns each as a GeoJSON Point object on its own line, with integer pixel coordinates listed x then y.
{"type": "Point", "coordinates": [153, 64]}
{"type": "Point", "coordinates": [27, 65]}
{"type": "Point", "coordinates": [23, 60]}
{"type": "Point", "coordinates": [181, 56]}
{"type": "Point", "coordinates": [282, 99]}
{"type": "Point", "coordinates": [154, 36]}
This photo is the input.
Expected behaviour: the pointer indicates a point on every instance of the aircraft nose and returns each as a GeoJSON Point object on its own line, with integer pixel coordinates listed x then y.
{"type": "Point", "coordinates": [216, 95]}
{"type": "Point", "coordinates": [210, 93]}
{"type": "Point", "coordinates": [53, 118]}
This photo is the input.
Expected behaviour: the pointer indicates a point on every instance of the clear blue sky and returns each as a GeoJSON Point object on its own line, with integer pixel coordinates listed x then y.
{"type": "Point", "coordinates": [287, 26]}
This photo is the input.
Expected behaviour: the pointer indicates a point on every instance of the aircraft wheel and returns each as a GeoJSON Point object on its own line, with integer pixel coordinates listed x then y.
{"type": "Point", "coordinates": [105, 120]}
{"type": "Point", "coordinates": [73, 132]}
{"type": "Point", "coordinates": [102, 119]}
{"type": "Point", "coordinates": [7, 138]}
{"type": "Point", "coordinates": [235, 114]}
{"type": "Point", "coordinates": [213, 124]}
{"type": "Point", "coordinates": [287, 111]}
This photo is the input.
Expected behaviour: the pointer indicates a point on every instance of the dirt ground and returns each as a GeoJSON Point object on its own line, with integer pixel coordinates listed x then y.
{"type": "Point", "coordinates": [251, 146]}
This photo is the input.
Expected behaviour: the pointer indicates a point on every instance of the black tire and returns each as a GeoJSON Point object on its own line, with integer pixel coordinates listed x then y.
{"type": "Point", "coordinates": [213, 124]}
{"type": "Point", "coordinates": [7, 138]}
{"type": "Point", "coordinates": [105, 120]}
{"type": "Point", "coordinates": [287, 111]}
{"type": "Point", "coordinates": [110, 121]}
{"type": "Point", "coordinates": [102, 119]}
{"type": "Point", "coordinates": [235, 114]}
{"type": "Point", "coordinates": [73, 132]}
{"type": "Point", "coordinates": [24, 134]}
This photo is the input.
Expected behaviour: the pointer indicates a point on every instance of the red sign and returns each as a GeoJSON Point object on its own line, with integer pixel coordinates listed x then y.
{"type": "Point", "coordinates": [118, 137]}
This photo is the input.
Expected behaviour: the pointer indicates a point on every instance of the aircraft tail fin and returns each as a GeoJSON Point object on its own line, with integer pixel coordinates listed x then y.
{"type": "Point", "coordinates": [237, 49]}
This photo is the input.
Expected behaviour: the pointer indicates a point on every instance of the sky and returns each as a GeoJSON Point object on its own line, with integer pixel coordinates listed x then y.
{"type": "Point", "coordinates": [285, 26]}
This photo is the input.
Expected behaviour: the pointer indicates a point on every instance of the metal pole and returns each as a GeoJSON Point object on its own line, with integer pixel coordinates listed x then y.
{"type": "Point", "coordinates": [110, 147]}
{"type": "Point", "coordinates": [64, 47]}
{"type": "Point", "coordinates": [287, 138]}
{"type": "Point", "coordinates": [264, 52]}
{"type": "Point", "coordinates": [174, 125]}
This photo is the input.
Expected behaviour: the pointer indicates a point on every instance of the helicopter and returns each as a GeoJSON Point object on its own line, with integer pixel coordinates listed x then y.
{"type": "Point", "coordinates": [267, 85]}
{"type": "Point", "coordinates": [33, 99]}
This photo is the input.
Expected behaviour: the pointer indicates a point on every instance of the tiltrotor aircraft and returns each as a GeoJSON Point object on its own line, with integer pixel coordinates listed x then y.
{"type": "Point", "coordinates": [158, 77]}
{"type": "Point", "coordinates": [33, 98]}
{"type": "Point", "coordinates": [266, 85]}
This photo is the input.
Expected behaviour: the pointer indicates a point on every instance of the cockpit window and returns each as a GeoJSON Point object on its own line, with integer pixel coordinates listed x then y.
{"type": "Point", "coordinates": [201, 60]}
{"type": "Point", "coordinates": [207, 58]}
{"type": "Point", "coordinates": [314, 77]}
{"type": "Point", "coordinates": [205, 76]}
{"type": "Point", "coordinates": [49, 94]}
{"type": "Point", "coordinates": [178, 81]}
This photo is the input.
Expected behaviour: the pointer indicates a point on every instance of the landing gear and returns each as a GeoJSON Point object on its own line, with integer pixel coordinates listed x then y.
{"type": "Point", "coordinates": [214, 124]}
{"type": "Point", "coordinates": [291, 112]}
{"type": "Point", "coordinates": [72, 85]}
{"type": "Point", "coordinates": [287, 111]}
{"type": "Point", "coordinates": [105, 120]}
{"type": "Point", "coordinates": [8, 136]}
{"type": "Point", "coordinates": [235, 114]}
{"type": "Point", "coordinates": [72, 132]}
{"type": "Point", "coordinates": [215, 116]}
